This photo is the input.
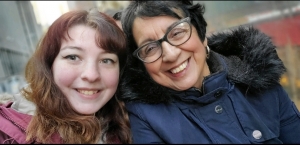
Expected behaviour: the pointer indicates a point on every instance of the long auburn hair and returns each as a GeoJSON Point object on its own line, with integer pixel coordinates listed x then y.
{"type": "Point", "coordinates": [54, 115]}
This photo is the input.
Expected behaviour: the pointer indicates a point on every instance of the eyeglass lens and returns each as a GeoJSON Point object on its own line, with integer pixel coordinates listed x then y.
{"type": "Point", "coordinates": [177, 36]}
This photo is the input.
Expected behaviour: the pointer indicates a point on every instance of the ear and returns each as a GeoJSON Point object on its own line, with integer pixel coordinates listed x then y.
{"type": "Point", "coordinates": [205, 42]}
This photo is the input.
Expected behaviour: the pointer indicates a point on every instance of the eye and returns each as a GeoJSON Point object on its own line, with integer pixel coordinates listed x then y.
{"type": "Point", "coordinates": [108, 61]}
{"type": "Point", "coordinates": [177, 33]}
{"type": "Point", "coordinates": [72, 57]}
{"type": "Point", "coordinates": [149, 49]}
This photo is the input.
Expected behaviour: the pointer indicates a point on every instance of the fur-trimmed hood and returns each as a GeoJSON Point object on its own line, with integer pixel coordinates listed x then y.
{"type": "Point", "coordinates": [251, 59]}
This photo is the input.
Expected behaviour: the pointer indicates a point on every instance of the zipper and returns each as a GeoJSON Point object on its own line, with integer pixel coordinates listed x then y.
{"type": "Point", "coordinates": [6, 117]}
{"type": "Point", "coordinates": [202, 88]}
{"type": "Point", "coordinates": [20, 127]}
{"type": "Point", "coordinates": [203, 92]}
{"type": "Point", "coordinates": [198, 90]}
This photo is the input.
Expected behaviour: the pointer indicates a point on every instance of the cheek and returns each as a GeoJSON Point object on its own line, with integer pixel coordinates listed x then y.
{"type": "Point", "coordinates": [195, 42]}
{"type": "Point", "coordinates": [153, 68]}
{"type": "Point", "coordinates": [196, 46]}
{"type": "Point", "coordinates": [110, 78]}
{"type": "Point", "coordinates": [63, 76]}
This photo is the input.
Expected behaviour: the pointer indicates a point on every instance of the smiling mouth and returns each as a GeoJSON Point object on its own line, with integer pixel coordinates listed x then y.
{"type": "Point", "coordinates": [87, 92]}
{"type": "Point", "coordinates": [179, 68]}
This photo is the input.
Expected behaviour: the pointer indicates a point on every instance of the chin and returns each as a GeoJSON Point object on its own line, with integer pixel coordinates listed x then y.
{"type": "Point", "coordinates": [86, 112]}
{"type": "Point", "coordinates": [183, 88]}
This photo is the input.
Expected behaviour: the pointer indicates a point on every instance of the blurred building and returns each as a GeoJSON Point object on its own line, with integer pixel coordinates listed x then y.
{"type": "Point", "coordinates": [81, 5]}
{"type": "Point", "coordinates": [109, 7]}
{"type": "Point", "coordinates": [19, 34]}
{"type": "Point", "coordinates": [222, 15]}
{"type": "Point", "coordinates": [46, 12]}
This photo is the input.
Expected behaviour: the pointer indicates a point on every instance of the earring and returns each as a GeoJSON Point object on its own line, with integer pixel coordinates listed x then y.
{"type": "Point", "coordinates": [207, 52]}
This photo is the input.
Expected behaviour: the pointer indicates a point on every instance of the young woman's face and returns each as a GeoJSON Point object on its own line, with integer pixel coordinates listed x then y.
{"type": "Point", "coordinates": [180, 67]}
{"type": "Point", "coordinates": [86, 74]}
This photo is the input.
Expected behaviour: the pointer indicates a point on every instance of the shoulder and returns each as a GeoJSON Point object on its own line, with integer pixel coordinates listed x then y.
{"type": "Point", "coordinates": [13, 124]}
{"type": "Point", "coordinates": [137, 106]}
{"type": "Point", "coordinates": [147, 111]}
{"type": "Point", "coordinates": [276, 92]}
{"type": "Point", "coordinates": [274, 100]}
{"type": "Point", "coordinates": [5, 98]}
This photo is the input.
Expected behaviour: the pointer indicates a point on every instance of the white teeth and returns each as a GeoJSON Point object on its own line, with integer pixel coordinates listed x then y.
{"type": "Point", "coordinates": [85, 92]}
{"type": "Point", "coordinates": [179, 68]}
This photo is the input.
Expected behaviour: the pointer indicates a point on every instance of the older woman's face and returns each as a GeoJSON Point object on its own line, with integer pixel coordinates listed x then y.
{"type": "Point", "coordinates": [86, 74]}
{"type": "Point", "coordinates": [180, 67]}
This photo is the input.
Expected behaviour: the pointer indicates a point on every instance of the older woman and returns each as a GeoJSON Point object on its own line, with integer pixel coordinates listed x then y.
{"type": "Point", "coordinates": [181, 87]}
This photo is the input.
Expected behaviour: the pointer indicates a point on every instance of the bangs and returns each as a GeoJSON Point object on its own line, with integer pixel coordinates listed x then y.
{"type": "Point", "coordinates": [110, 40]}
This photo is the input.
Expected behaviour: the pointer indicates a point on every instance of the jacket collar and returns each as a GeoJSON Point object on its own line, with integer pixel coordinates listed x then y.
{"type": "Point", "coordinates": [213, 84]}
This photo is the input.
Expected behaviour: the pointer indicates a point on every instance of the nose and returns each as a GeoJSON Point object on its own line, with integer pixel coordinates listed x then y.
{"type": "Point", "coordinates": [91, 72]}
{"type": "Point", "coordinates": [170, 53]}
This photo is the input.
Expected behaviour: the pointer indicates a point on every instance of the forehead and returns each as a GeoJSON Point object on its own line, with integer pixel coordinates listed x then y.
{"type": "Point", "coordinates": [157, 21]}
{"type": "Point", "coordinates": [151, 28]}
{"type": "Point", "coordinates": [80, 31]}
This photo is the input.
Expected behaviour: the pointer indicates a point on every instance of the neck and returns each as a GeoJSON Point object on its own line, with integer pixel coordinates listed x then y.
{"type": "Point", "coordinates": [205, 72]}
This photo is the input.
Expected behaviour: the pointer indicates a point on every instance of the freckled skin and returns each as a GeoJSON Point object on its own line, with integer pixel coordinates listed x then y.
{"type": "Point", "coordinates": [86, 69]}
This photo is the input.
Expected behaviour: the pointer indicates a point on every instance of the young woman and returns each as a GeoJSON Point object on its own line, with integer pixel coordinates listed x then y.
{"type": "Point", "coordinates": [180, 91]}
{"type": "Point", "coordinates": [73, 76]}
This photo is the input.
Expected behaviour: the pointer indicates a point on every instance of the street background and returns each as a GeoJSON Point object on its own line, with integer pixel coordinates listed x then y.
{"type": "Point", "coordinates": [24, 22]}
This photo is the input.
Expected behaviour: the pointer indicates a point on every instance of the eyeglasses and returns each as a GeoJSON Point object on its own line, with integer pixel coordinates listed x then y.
{"type": "Point", "coordinates": [177, 34]}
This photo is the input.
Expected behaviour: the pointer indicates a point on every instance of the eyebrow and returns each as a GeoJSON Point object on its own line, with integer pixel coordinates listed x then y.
{"type": "Point", "coordinates": [72, 47]}
{"type": "Point", "coordinates": [172, 26]}
{"type": "Point", "coordinates": [81, 49]}
{"type": "Point", "coordinates": [167, 31]}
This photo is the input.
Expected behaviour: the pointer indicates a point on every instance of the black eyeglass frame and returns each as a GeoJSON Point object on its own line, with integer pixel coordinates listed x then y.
{"type": "Point", "coordinates": [164, 38]}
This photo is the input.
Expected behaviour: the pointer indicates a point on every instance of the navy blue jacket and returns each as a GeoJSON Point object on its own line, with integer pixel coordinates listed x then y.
{"type": "Point", "coordinates": [240, 102]}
